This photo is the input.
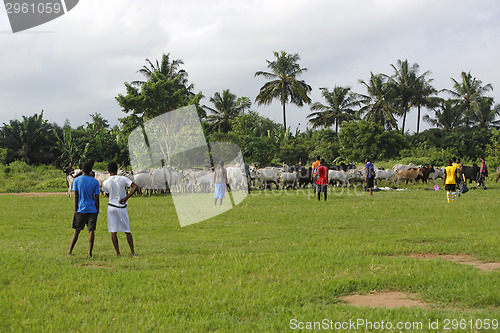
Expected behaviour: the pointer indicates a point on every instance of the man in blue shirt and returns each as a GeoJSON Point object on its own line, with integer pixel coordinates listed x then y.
{"type": "Point", "coordinates": [87, 192]}
{"type": "Point", "coordinates": [370, 175]}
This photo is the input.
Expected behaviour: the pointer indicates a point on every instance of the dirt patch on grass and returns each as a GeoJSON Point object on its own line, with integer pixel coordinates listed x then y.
{"type": "Point", "coordinates": [390, 299]}
{"type": "Point", "coordinates": [464, 259]}
{"type": "Point", "coordinates": [35, 194]}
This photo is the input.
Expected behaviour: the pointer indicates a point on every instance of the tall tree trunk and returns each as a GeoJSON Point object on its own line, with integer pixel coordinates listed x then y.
{"type": "Point", "coordinates": [418, 118]}
{"type": "Point", "coordinates": [284, 117]}
{"type": "Point", "coordinates": [403, 125]}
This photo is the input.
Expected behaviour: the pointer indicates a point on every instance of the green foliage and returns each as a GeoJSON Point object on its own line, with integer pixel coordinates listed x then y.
{"type": "Point", "coordinates": [362, 139]}
{"type": "Point", "coordinates": [493, 149]}
{"type": "Point", "coordinates": [19, 176]}
{"type": "Point", "coordinates": [30, 140]}
{"type": "Point", "coordinates": [427, 156]}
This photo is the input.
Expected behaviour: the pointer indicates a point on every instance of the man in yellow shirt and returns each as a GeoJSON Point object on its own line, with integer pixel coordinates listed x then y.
{"type": "Point", "coordinates": [450, 181]}
{"type": "Point", "coordinates": [456, 163]}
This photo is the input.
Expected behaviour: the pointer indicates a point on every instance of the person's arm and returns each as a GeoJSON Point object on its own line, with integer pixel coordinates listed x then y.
{"type": "Point", "coordinates": [76, 201]}
{"type": "Point", "coordinates": [96, 200]}
{"type": "Point", "coordinates": [444, 176]}
{"type": "Point", "coordinates": [133, 187]}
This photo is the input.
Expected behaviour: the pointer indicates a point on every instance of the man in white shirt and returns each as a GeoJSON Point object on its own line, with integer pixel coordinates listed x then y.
{"type": "Point", "coordinates": [116, 187]}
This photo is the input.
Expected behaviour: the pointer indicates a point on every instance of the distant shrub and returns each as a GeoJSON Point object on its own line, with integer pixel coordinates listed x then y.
{"type": "Point", "coordinates": [21, 177]}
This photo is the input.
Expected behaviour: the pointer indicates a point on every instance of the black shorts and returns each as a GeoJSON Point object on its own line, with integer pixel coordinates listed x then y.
{"type": "Point", "coordinates": [322, 188]}
{"type": "Point", "coordinates": [369, 182]}
{"type": "Point", "coordinates": [450, 187]}
{"type": "Point", "coordinates": [80, 220]}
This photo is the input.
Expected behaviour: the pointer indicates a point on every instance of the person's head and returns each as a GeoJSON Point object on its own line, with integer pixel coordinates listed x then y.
{"type": "Point", "coordinates": [221, 163]}
{"type": "Point", "coordinates": [449, 162]}
{"type": "Point", "coordinates": [113, 167]}
{"type": "Point", "coordinates": [453, 159]}
{"type": "Point", "coordinates": [367, 160]}
{"type": "Point", "coordinates": [322, 161]}
{"type": "Point", "coordinates": [317, 158]}
{"type": "Point", "coordinates": [87, 167]}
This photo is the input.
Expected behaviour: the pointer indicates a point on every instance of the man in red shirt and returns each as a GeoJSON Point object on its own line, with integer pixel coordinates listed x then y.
{"type": "Point", "coordinates": [314, 175]}
{"type": "Point", "coordinates": [322, 180]}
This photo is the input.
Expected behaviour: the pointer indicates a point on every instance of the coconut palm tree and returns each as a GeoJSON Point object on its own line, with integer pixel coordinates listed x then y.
{"type": "Point", "coordinates": [169, 70]}
{"type": "Point", "coordinates": [284, 85]}
{"type": "Point", "coordinates": [468, 91]}
{"type": "Point", "coordinates": [425, 95]}
{"type": "Point", "coordinates": [483, 113]}
{"type": "Point", "coordinates": [447, 116]}
{"type": "Point", "coordinates": [376, 107]}
{"type": "Point", "coordinates": [339, 107]}
{"type": "Point", "coordinates": [404, 84]}
{"type": "Point", "coordinates": [226, 109]}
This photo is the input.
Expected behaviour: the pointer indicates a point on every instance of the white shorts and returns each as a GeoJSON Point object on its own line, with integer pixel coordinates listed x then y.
{"type": "Point", "coordinates": [118, 219]}
{"type": "Point", "coordinates": [220, 191]}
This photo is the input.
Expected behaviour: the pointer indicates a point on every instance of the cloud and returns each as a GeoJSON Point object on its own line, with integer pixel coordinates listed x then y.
{"type": "Point", "coordinates": [76, 65]}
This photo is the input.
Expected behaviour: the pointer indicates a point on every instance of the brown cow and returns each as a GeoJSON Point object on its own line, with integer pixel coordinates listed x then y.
{"type": "Point", "coordinates": [498, 174]}
{"type": "Point", "coordinates": [426, 171]}
{"type": "Point", "coordinates": [407, 175]}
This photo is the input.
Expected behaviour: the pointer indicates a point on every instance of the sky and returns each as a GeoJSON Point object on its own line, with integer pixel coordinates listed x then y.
{"type": "Point", "coordinates": [76, 65]}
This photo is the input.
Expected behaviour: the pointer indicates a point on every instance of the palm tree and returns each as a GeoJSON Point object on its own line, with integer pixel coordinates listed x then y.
{"type": "Point", "coordinates": [468, 91]}
{"type": "Point", "coordinates": [448, 115]}
{"type": "Point", "coordinates": [99, 121]}
{"type": "Point", "coordinates": [424, 96]}
{"type": "Point", "coordinates": [284, 85]}
{"type": "Point", "coordinates": [376, 103]}
{"type": "Point", "coordinates": [30, 140]}
{"type": "Point", "coordinates": [483, 113]}
{"type": "Point", "coordinates": [339, 108]}
{"type": "Point", "coordinates": [404, 84]}
{"type": "Point", "coordinates": [226, 109]}
{"type": "Point", "coordinates": [168, 69]}
{"type": "Point", "coordinates": [245, 103]}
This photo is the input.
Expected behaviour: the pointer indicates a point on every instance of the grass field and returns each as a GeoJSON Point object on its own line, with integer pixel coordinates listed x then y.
{"type": "Point", "coordinates": [275, 258]}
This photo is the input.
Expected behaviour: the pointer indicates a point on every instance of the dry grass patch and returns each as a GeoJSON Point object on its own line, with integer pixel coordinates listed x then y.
{"type": "Point", "coordinates": [464, 259]}
{"type": "Point", "coordinates": [390, 299]}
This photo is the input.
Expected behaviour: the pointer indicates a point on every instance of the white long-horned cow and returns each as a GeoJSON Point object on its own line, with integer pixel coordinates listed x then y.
{"type": "Point", "coordinates": [289, 179]}
{"type": "Point", "coordinates": [267, 176]}
{"type": "Point", "coordinates": [387, 175]}
{"type": "Point", "coordinates": [337, 177]}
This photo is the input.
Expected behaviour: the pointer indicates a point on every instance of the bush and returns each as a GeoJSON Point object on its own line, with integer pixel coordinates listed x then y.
{"type": "Point", "coordinates": [21, 177]}
{"type": "Point", "coordinates": [427, 156]}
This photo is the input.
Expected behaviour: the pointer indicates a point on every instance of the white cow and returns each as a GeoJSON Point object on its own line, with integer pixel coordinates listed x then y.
{"type": "Point", "coordinates": [438, 173]}
{"type": "Point", "coordinates": [159, 179]}
{"type": "Point", "coordinates": [387, 175]}
{"type": "Point", "coordinates": [288, 179]}
{"type": "Point", "coordinates": [236, 179]}
{"type": "Point", "coordinates": [101, 177]}
{"type": "Point", "coordinates": [357, 176]}
{"type": "Point", "coordinates": [404, 167]}
{"type": "Point", "coordinates": [267, 176]}
{"type": "Point", "coordinates": [142, 180]}
{"type": "Point", "coordinates": [339, 176]}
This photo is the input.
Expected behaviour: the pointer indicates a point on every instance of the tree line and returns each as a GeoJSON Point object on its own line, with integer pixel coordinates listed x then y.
{"type": "Point", "coordinates": [345, 126]}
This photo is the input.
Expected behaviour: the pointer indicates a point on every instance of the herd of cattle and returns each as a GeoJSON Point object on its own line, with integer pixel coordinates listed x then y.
{"type": "Point", "coordinates": [168, 179]}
